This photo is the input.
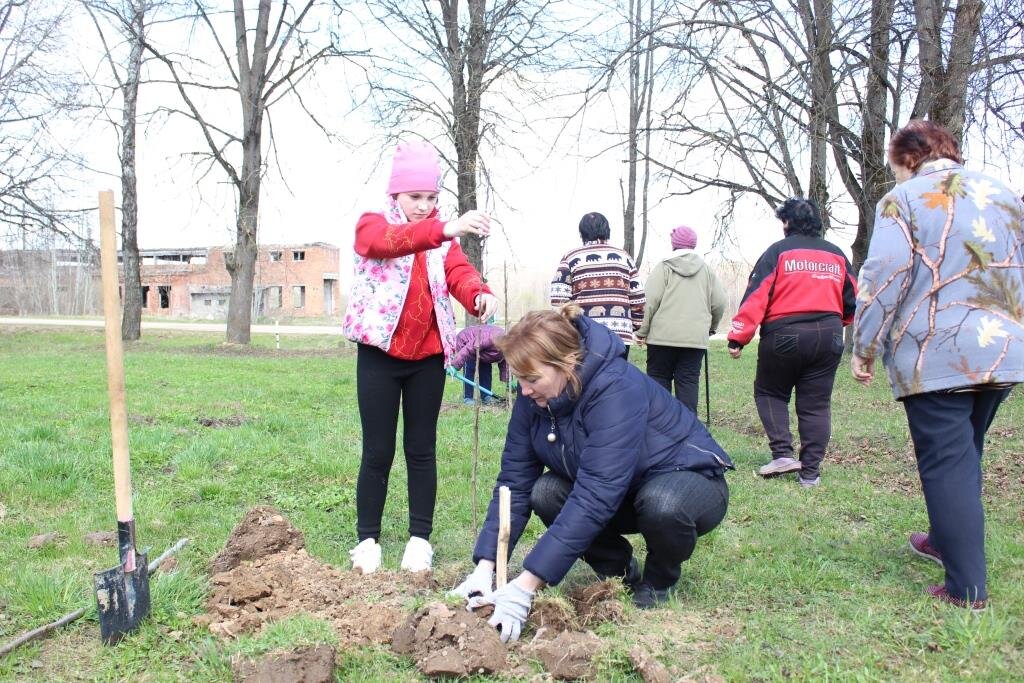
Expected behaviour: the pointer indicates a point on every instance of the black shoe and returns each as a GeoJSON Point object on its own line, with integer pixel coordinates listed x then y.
{"type": "Point", "coordinates": [646, 596]}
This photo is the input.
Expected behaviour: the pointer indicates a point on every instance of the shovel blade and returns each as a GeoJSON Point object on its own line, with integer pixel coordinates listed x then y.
{"type": "Point", "coordinates": [122, 599]}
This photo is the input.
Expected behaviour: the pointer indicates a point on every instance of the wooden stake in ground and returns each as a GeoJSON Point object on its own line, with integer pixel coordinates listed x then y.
{"type": "Point", "coordinates": [504, 532]}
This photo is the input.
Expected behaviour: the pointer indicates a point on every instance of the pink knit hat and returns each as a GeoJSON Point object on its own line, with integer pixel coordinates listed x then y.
{"type": "Point", "coordinates": [415, 168]}
{"type": "Point", "coordinates": [684, 238]}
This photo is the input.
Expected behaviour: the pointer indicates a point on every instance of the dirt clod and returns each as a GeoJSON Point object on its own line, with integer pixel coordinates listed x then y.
{"type": "Point", "coordinates": [302, 665]}
{"type": "Point", "coordinates": [447, 642]}
{"type": "Point", "coordinates": [37, 542]}
{"type": "Point", "coordinates": [568, 656]}
{"type": "Point", "coordinates": [598, 603]}
{"type": "Point", "coordinates": [106, 539]}
{"type": "Point", "coordinates": [169, 565]}
{"type": "Point", "coordinates": [262, 532]}
{"type": "Point", "coordinates": [552, 615]}
{"type": "Point", "coordinates": [649, 668]}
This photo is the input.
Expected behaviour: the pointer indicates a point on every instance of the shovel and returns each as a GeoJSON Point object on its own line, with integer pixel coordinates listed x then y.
{"type": "Point", "coordinates": [122, 593]}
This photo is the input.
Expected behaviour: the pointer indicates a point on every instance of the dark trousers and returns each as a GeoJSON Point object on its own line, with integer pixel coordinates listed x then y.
{"type": "Point", "coordinates": [382, 384]}
{"type": "Point", "coordinates": [668, 363]}
{"type": "Point", "coordinates": [670, 511]}
{"type": "Point", "coordinates": [948, 431]}
{"type": "Point", "coordinates": [470, 372]}
{"type": "Point", "coordinates": [801, 356]}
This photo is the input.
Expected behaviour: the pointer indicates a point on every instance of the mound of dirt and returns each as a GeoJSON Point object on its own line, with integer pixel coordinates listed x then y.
{"type": "Point", "coordinates": [447, 642]}
{"type": "Point", "coordinates": [303, 665]}
{"type": "Point", "coordinates": [263, 531]}
{"type": "Point", "coordinates": [362, 609]}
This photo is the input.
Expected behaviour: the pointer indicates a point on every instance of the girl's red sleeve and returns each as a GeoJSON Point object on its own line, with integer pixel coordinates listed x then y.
{"type": "Point", "coordinates": [464, 281]}
{"type": "Point", "coordinates": [376, 238]}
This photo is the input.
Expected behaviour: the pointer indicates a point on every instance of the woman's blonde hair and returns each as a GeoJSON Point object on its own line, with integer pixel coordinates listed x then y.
{"type": "Point", "coordinates": [545, 338]}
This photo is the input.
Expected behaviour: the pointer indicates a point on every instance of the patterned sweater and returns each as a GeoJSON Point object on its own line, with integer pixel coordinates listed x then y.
{"type": "Point", "coordinates": [942, 290]}
{"type": "Point", "coordinates": [603, 281]}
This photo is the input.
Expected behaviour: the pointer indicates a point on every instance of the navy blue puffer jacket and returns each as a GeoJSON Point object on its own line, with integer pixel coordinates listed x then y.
{"type": "Point", "coordinates": [622, 430]}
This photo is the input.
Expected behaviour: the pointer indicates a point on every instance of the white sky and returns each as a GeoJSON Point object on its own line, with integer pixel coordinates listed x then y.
{"type": "Point", "coordinates": [323, 185]}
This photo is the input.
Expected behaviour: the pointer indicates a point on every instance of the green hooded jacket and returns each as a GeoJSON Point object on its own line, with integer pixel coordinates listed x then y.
{"type": "Point", "coordinates": [685, 301]}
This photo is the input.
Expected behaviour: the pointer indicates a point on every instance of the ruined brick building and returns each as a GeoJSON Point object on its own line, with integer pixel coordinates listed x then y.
{"type": "Point", "coordinates": [292, 281]}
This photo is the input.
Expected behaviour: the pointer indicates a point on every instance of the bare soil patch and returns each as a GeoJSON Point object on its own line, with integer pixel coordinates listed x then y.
{"type": "Point", "coordinates": [222, 422]}
{"type": "Point", "coordinates": [40, 540]}
{"type": "Point", "coordinates": [302, 665]}
{"type": "Point", "coordinates": [104, 539]}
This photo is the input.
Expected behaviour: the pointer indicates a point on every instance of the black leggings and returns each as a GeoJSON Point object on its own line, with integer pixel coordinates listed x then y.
{"type": "Point", "coordinates": [383, 381]}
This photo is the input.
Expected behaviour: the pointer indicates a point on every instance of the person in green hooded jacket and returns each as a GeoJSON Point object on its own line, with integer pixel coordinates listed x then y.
{"type": "Point", "coordinates": [685, 303]}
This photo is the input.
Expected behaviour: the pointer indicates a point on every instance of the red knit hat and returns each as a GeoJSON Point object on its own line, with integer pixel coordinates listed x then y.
{"type": "Point", "coordinates": [684, 238]}
{"type": "Point", "coordinates": [415, 168]}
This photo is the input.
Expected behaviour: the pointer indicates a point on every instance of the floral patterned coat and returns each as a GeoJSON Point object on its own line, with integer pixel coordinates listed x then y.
{"type": "Point", "coordinates": [941, 295]}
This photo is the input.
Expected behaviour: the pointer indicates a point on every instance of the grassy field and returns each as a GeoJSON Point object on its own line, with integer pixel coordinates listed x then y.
{"type": "Point", "coordinates": [796, 584]}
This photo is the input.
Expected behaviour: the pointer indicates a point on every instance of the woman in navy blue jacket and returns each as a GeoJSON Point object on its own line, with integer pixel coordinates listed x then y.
{"type": "Point", "coordinates": [596, 449]}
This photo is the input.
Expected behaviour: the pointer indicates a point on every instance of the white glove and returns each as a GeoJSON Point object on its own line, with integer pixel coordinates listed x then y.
{"type": "Point", "coordinates": [477, 583]}
{"type": "Point", "coordinates": [511, 607]}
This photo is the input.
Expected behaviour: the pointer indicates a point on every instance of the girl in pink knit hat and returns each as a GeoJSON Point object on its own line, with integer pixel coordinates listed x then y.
{"type": "Point", "coordinates": [408, 265]}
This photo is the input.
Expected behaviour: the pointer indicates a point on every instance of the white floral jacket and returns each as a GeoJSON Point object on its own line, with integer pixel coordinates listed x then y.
{"type": "Point", "coordinates": [941, 294]}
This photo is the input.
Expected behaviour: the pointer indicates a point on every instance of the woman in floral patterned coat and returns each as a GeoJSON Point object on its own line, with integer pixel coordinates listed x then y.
{"type": "Point", "coordinates": [941, 302]}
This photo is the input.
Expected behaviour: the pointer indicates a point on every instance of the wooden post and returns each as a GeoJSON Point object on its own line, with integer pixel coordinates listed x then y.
{"type": "Point", "coordinates": [504, 532]}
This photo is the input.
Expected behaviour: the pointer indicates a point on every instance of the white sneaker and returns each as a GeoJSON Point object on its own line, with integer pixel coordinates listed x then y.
{"type": "Point", "coordinates": [418, 555]}
{"type": "Point", "coordinates": [366, 556]}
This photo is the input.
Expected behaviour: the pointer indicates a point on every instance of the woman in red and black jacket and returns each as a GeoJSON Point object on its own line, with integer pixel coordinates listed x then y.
{"type": "Point", "coordinates": [802, 292]}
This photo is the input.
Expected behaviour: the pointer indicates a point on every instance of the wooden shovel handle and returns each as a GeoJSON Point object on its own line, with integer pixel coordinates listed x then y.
{"type": "Point", "coordinates": [504, 531]}
{"type": "Point", "coordinates": [115, 358]}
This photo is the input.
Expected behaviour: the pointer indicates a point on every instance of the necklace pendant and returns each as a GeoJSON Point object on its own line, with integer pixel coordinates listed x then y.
{"type": "Point", "coordinates": [551, 437]}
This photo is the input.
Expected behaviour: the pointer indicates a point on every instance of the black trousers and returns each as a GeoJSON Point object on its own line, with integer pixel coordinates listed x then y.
{"type": "Point", "coordinates": [469, 370]}
{"type": "Point", "coordinates": [670, 511]}
{"type": "Point", "coordinates": [948, 431]}
{"type": "Point", "coordinates": [668, 363]}
{"type": "Point", "coordinates": [382, 384]}
{"type": "Point", "coordinates": [801, 356]}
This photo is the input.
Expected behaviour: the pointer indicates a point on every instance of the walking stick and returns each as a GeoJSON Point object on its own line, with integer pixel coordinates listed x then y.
{"type": "Point", "coordinates": [707, 388]}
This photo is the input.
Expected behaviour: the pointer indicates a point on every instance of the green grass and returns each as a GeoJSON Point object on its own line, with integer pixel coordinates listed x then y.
{"type": "Point", "coordinates": [796, 584]}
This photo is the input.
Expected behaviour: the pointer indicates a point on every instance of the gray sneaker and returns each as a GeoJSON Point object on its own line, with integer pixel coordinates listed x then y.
{"type": "Point", "coordinates": [810, 483]}
{"type": "Point", "coordinates": [779, 466]}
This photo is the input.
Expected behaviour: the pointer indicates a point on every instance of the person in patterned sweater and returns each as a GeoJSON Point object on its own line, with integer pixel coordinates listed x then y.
{"type": "Point", "coordinates": [602, 280]}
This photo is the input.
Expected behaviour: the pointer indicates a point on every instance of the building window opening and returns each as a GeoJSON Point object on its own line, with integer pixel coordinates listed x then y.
{"type": "Point", "coordinates": [298, 256]}
{"type": "Point", "coordinates": [221, 302]}
{"type": "Point", "coordinates": [165, 297]}
{"type": "Point", "coordinates": [275, 256]}
{"type": "Point", "coordinates": [145, 296]}
{"type": "Point", "coordinates": [273, 297]}
{"type": "Point", "coordinates": [207, 302]}
{"type": "Point", "coordinates": [298, 296]}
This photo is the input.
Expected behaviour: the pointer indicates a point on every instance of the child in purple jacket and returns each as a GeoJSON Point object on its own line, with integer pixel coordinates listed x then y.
{"type": "Point", "coordinates": [466, 343]}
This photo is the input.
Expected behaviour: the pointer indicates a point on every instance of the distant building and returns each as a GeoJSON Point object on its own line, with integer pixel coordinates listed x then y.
{"type": "Point", "coordinates": [54, 281]}
{"type": "Point", "coordinates": [291, 281]}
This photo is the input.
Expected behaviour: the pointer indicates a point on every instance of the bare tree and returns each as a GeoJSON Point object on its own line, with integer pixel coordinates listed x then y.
{"type": "Point", "coordinates": [262, 64]}
{"type": "Point", "coordinates": [35, 93]}
{"type": "Point", "coordinates": [454, 57]}
{"type": "Point", "coordinates": [798, 97]}
{"type": "Point", "coordinates": [128, 20]}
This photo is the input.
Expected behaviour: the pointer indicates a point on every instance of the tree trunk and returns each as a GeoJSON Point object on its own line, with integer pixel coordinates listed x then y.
{"type": "Point", "coordinates": [131, 320]}
{"type": "Point", "coordinates": [635, 93]}
{"type": "Point", "coordinates": [872, 162]}
{"type": "Point", "coordinates": [241, 264]}
{"type": "Point", "coordinates": [818, 28]}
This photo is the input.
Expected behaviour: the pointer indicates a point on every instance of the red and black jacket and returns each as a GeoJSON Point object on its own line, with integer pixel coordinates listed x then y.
{"type": "Point", "coordinates": [797, 279]}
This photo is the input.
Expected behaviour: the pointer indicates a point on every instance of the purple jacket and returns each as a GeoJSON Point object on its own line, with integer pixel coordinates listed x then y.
{"type": "Point", "coordinates": [483, 336]}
